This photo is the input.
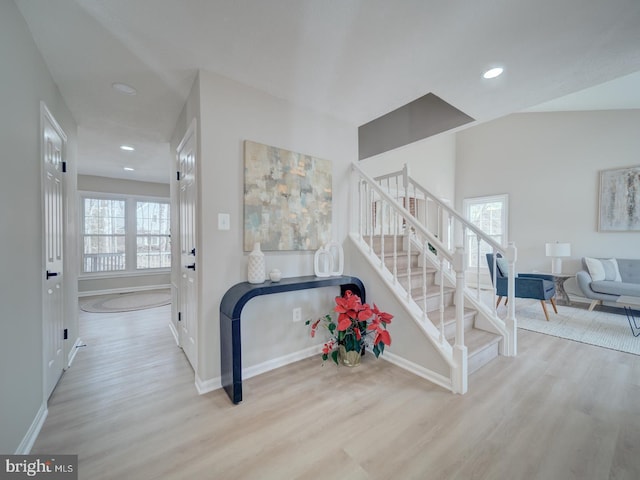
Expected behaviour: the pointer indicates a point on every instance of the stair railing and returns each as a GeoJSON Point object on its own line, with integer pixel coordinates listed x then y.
{"type": "Point", "coordinates": [395, 205]}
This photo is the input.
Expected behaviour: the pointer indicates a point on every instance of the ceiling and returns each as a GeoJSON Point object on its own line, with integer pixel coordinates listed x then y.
{"type": "Point", "coordinates": [353, 59]}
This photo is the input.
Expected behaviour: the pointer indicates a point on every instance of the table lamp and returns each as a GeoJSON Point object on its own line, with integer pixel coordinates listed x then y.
{"type": "Point", "coordinates": [556, 251]}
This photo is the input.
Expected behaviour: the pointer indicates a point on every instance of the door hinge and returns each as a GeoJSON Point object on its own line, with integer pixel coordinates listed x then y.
{"type": "Point", "coordinates": [178, 176]}
{"type": "Point", "coordinates": [179, 316]}
{"type": "Point", "coordinates": [65, 334]}
{"type": "Point", "coordinates": [64, 167]}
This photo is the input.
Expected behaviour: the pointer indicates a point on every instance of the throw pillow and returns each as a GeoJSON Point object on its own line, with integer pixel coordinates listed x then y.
{"type": "Point", "coordinates": [611, 271]}
{"type": "Point", "coordinates": [503, 266]}
{"type": "Point", "coordinates": [596, 269]}
{"type": "Point", "coordinates": [603, 269]}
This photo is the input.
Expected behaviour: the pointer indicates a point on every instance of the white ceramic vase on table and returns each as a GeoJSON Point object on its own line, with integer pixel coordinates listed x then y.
{"type": "Point", "coordinates": [256, 269]}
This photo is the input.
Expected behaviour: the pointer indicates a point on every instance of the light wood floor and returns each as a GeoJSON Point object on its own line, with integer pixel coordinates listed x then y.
{"type": "Point", "coordinates": [129, 409]}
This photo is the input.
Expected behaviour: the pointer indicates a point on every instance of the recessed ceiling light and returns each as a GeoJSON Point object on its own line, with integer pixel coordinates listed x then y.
{"type": "Point", "coordinates": [129, 169]}
{"type": "Point", "coordinates": [493, 72]}
{"type": "Point", "coordinates": [127, 148]}
{"type": "Point", "coordinates": [124, 88]}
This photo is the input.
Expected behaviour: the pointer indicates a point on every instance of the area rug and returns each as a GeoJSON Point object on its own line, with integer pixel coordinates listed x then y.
{"type": "Point", "coordinates": [601, 328]}
{"type": "Point", "coordinates": [126, 302]}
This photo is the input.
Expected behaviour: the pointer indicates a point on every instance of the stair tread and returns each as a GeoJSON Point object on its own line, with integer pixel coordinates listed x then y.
{"type": "Point", "coordinates": [432, 292]}
{"type": "Point", "coordinates": [450, 312]}
{"type": "Point", "coordinates": [402, 272]}
{"type": "Point", "coordinates": [476, 340]}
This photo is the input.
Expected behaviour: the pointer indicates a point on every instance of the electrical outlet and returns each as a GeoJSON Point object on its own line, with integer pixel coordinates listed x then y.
{"type": "Point", "coordinates": [297, 314]}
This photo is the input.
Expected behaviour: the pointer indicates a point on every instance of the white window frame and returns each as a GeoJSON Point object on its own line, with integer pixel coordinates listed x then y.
{"type": "Point", "coordinates": [467, 203]}
{"type": "Point", "coordinates": [131, 236]}
{"type": "Point", "coordinates": [154, 238]}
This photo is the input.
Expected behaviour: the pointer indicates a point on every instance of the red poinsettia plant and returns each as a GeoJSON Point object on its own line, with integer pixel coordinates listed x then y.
{"type": "Point", "coordinates": [357, 325]}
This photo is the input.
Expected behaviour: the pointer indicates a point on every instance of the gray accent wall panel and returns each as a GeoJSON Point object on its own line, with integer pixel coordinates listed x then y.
{"type": "Point", "coordinates": [422, 118]}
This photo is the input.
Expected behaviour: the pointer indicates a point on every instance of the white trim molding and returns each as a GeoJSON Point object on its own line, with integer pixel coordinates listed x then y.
{"type": "Point", "coordinates": [174, 332]}
{"type": "Point", "coordinates": [280, 362]}
{"type": "Point", "coordinates": [145, 288]}
{"type": "Point", "coordinates": [74, 350]}
{"type": "Point", "coordinates": [418, 370]}
{"type": "Point", "coordinates": [34, 430]}
{"type": "Point", "coordinates": [206, 386]}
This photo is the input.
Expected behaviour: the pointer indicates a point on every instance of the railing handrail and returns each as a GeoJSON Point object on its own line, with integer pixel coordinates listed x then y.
{"type": "Point", "coordinates": [388, 175]}
{"type": "Point", "coordinates": [452, 212]}
{"type": "Point", "coordinates": [408, 217]}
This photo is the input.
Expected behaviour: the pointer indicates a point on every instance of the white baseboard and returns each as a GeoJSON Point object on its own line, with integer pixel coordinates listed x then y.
{"type": "Point", "coordinates": [93, 293]}
{"type": "Point", "coordinates": [205, 386]}
{"type": "Point", "coordinates": [280, 362]}
{"type": "Point", "coordinates": [174, 332]}
{"type": "Point", "coordinates": [418, 370]}
{"type": "Point", "coordinates": [74, 351]}
{"type": "Point", "coordinates": [34, 430]}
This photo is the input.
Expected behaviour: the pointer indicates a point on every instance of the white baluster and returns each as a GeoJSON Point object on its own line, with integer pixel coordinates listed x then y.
{"type": "Point", "coordinates": [395, 247]}
{"type": "Point", "coordinates": [408, 240]}
{"type": "Point", "coordinates": [441, 280]}
{"type": "Point", "coordinates": [425, 248]}
{"type": "Point", "coordinates": [382, 222]}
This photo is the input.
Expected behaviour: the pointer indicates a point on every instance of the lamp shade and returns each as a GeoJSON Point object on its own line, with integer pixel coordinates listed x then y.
{"type": "Point", "coordinates": [558, 249]}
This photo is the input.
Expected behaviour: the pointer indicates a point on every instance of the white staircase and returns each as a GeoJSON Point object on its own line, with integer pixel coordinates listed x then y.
{"type": "Point", "coordinates": [412, 250]}
{"type": "Point", "coordinates": [482, 346]}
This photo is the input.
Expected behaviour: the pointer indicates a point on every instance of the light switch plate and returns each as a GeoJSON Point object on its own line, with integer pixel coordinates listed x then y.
{"type": "Point", "coordinates": [224, 221]}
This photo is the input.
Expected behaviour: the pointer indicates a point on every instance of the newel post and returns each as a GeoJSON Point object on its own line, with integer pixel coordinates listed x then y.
{"type": "Point", "coordinates": [511, 346]}
{"type": "Point", "coordinates": [460, 374]}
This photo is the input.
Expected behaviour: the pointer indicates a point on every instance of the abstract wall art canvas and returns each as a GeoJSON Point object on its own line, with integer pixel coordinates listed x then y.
{"type": "Point", "coordinates": [620, 200]}
{"type": "Point", "coordinates": [287, 199]}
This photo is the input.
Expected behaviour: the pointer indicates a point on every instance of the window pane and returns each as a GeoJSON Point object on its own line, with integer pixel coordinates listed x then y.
{"type": "Point", "coordinates": [102, 216]}
{"type": "Point", "coordinates": [152, 218]}
{"type": "Point", "coordinates": [103, 253]}
{"type": "Point", "coordinates": [489, 214]}
{"type": "Point", "coordinates": [153, 228]}
{"type": "Point", "coordinates": [104, 240]}
{"type": "Point", "coordinates": [153, 251]}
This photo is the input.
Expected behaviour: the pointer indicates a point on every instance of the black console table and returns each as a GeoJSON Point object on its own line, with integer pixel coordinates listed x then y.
{"type": "Point", "coordinates": [231, 307]}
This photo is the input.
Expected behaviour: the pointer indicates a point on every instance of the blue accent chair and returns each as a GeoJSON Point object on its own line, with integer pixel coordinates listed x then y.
{"type": "Point", "coordinates": [528, 285]}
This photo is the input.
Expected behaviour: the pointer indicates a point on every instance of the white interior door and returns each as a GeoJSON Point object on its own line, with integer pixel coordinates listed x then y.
{"type": "Point", "coordinates": [53, 147]}
{"type": "Point", "coordinates": [188, 286]}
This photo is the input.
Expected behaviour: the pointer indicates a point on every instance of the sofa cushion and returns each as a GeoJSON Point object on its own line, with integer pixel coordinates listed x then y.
{"type": "Point", "coordinates": [629, 269]}
{"type": "Point", "coordinates": [603, 269]}
{"type": "Point", "coordinates": [616, 288]}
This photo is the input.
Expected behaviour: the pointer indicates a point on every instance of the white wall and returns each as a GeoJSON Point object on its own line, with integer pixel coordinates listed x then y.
{"type": "Point", "coordinates": [431, 162]}
{"type": "Point", "coordinates": [548, 163]}
{"type": "Point", "coordinates": [229, 114]}
{"type": "Point", "coordinates": [24, 82]}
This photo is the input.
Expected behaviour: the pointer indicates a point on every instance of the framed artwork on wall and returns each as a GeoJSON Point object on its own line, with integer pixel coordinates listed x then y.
{"type": "Point", "coordinates": [287, 199]}
{"type": "Point", "coordinates": [619, 207]}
